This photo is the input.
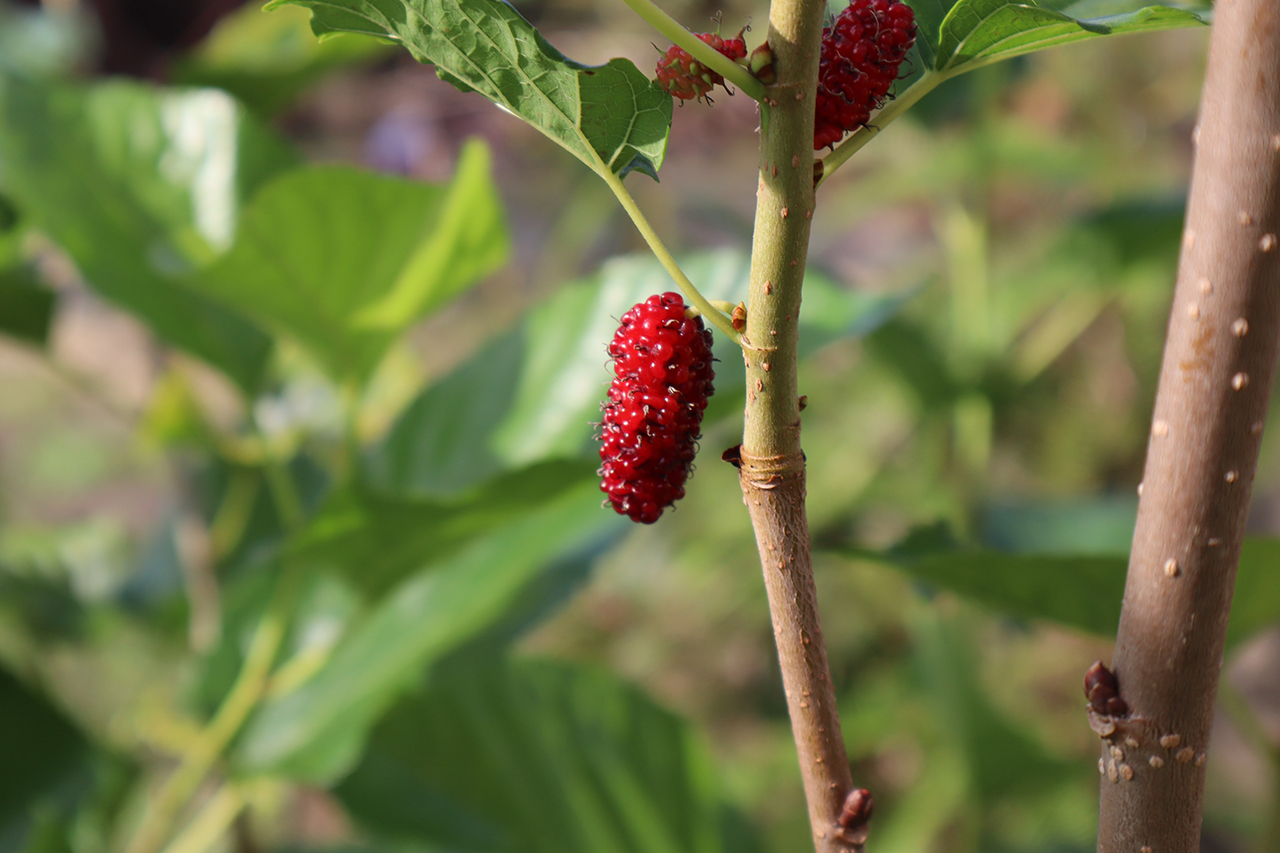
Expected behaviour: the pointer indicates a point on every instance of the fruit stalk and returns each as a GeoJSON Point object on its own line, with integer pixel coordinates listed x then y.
{"type": "Point", "coordinates": [772, 467]}
{"type": "Point", "coordinates": [1215, 384]}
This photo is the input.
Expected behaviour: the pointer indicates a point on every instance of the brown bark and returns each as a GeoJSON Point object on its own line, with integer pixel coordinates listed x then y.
{"type": "Point", "coordinates": [774, 490]}
{"type": "Point", "coordinates": [1215, 384]}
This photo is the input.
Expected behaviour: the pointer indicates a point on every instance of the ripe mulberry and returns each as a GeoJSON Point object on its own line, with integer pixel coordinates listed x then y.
{"type": "Point", "coordinates": [662, 367]}
{"type": "Point", "coordinates": [683, 77]}
{"type": "Point", "coordinates": [861, 52]}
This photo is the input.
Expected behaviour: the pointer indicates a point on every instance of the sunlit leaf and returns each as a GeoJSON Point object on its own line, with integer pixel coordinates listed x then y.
{"type": "Point", "coordinates": [611, 117]}
{"type": "Point", "coordinates": [142, 186]}
{"type": "Point", "coordinates": [531, 756]}
{"type": "Point", "coordinates": [345, 260]}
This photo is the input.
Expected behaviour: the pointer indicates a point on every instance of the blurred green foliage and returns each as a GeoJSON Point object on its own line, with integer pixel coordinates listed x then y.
{"type": "Point", "coordinates": [396, 428]}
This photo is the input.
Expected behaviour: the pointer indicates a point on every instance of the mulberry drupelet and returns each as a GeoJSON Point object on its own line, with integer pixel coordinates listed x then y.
{"type": "Point", "coordinates": [684, 77]}
{"type": "Point", "coordinates": [648, 438]}
{"type": "Point", "coordinates": [861, 53]}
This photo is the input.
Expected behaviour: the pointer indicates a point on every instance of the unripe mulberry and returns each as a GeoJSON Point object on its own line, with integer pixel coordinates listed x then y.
{"type": "Point", "coordinates": [684, 77]}
{"type": "Point", "coordinates": [648, 438]}
{"type": "Point", "coordinates": [861, 52]}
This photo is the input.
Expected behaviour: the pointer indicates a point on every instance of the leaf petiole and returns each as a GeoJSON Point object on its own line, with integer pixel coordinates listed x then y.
{"type": "Point", "coordinates": [899, 105]}
{"type": "Point", "coordinates": [714, 316]}
{"type": "Point", "coordinates": [700, 50]}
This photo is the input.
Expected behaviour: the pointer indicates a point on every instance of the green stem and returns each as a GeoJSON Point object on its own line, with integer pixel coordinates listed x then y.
{"type": "Point", "coordinates": [213, 820]}
{"type": "Point", "coordinates": [700, 50]}
{"type": "Point", "coordinates": [772, 465]}
{"type": "Point", "coordinates": [249, 687]}
{"type": "Point", "coordinates": [716, 317]}
{"type": "Point", "coordinates": [882, 119]}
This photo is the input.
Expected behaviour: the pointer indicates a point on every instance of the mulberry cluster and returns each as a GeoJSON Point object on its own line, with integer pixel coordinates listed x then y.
{"type": "Point", "coordinates": [861, 53]}
{"type": "Point", "coordinates": [683, 77]}
{"type": "Point", "coordinates": [662, 364]}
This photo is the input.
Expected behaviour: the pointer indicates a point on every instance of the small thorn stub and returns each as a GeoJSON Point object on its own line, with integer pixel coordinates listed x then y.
{"type": "Point", "coordinates": [1240, 327]}
{"type": "Point", "coordinates": [1156, 761]}
{"type": "Point", "coordinates": [653, 414]}
{"type": "Point", "coordinates": [1160, 429]}
{"type": "Point", "coordinates": [733, 456]}
{"type": "Point", "coordinates": [1185, 755]}
{"type": "Point", "coordinates": [1170, 741]}
{"type": "Point", "coordinates": [1267, 243]}
{"type": "Point", "coordinates": [1171, 568]}
{"type": "Point", "coordinates": [1240, 381]}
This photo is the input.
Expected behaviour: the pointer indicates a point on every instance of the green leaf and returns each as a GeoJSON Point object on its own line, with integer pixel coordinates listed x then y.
{"type": "Point", "coordinates": [442, 445]}
{"type": "Point", "coordinates": [267, 59]}
{"type": "Point", "coordinates": [1004, 758]}
{"type": "Point", "coordinates": [528, 756]}
{"type": "Point", "coordinates": [43, 42]}
{"type": "Point", "coordinates": [326, 607]}
{"type": "Point", "coordinates": [611, 117]}
{"type": "Point", "coordinates": [379, 540]}
{"type": "Point", "coordinates": [1082, 590]}
{"type": "Point", "coordinates": [346, 260]}
{"type": "Point", "coordinates": [979, 32]}
{"type": "Point", "coordinates": [1256, 603]}
{"type": "Point", "coordinates": [141, 186]}
{"type": "Point", "coordinates": [315, 732]}
{"type": "Point", "coordinates": [42, 750]}
{"type": "Point", "coordinates": [26, 308]}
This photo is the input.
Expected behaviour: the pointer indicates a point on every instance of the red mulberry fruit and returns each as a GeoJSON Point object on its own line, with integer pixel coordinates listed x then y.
{"type": "Point", "coordinates": [861, 53]}
{"type": "Point", "coordinates": [683, 77]}
{"type": "Point", "coordinates": [662, 364]}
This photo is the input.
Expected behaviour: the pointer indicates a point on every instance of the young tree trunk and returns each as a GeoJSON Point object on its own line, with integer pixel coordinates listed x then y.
{"type": "Point", "coordinates": [772, 465]}
{"type": "Point", "coordinates": [1215, 385]}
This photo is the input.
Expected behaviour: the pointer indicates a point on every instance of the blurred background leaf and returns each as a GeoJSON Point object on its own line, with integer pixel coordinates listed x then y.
{"type": "Point", "coordinates": [531, 755]}
{"type": "Point", "coordinates": [266, 59]}
{"type": "Point", "coordinates": [345, 260]}
{"type": "Point", "coordinates": [141, 186]}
